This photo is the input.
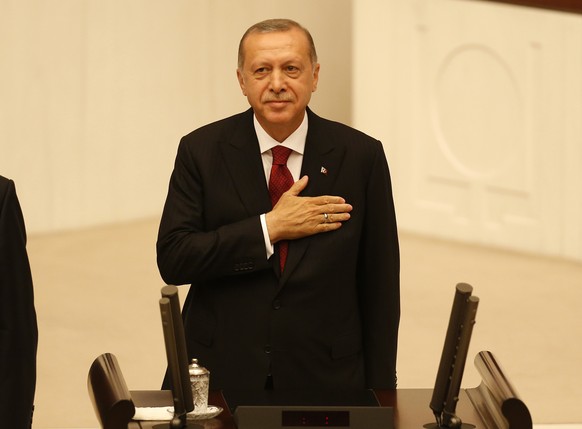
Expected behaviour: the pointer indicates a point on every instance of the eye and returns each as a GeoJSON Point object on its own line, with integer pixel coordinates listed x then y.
{"type": "Point", "coordinates": [292, 71]}
{"type": "Point", "coordinates": [261, 71]}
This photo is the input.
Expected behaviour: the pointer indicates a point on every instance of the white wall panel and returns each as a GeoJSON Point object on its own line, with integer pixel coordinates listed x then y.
{"type": "Point", "coordinates": [485, 139]}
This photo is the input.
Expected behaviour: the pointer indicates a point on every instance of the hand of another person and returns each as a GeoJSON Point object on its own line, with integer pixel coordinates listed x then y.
{"type": "Point", "coordinates": [296, 217]}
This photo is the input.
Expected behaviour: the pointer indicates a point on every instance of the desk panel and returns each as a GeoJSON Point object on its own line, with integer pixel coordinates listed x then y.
{"type": "Point", "coordinates": [411, 409]}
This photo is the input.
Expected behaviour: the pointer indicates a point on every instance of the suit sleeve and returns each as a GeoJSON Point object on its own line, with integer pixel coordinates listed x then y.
{"type": "Point", "coordinates": [18, 327]}
{"type": "Point", "coordinates": [190, 250]}
{"type": "Point", "coordinates": [379, 278]}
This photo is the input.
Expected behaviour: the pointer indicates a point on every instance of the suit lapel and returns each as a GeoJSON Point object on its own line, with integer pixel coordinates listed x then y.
{"type": "Point", "coordinates": [242, 156]}
{"type": "Point", "coordinates": [321, 162]}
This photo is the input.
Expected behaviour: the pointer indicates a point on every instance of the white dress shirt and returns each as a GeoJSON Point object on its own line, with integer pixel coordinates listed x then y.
{"type": "Point", "coordinates": [295, 142]}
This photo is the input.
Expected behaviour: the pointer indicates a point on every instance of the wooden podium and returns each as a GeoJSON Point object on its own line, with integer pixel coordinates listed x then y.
{"type": "Point", "coordinates": [410, 406]}
{"type": "Point", "coordinates": [493, 404]}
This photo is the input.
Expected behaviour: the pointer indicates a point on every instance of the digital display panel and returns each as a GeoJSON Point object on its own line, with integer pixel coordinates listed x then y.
{"type": "Point", "coordinates": [315, 418]}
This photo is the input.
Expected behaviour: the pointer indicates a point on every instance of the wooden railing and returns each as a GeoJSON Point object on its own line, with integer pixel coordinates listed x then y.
{"type": "Point", "coordinates": [573, 6]}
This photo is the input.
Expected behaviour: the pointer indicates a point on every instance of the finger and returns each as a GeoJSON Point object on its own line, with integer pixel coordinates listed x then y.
{"type": "Point", "coordinates": [335, 218]}
{"type": "Point", "coordinates": [328, 226]}
{"type": "Point", "coordinates": [328, 199]}
{"type": "Point", "coordinates": [298, 186]}
{"type": "Point", "coordinates": [337, 208]}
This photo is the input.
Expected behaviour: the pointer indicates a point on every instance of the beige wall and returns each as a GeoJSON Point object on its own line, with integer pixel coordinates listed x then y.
{"type": "Point", "coordinates": [95, 94]}
{"type": "Point", "coordinates": [479, 105]}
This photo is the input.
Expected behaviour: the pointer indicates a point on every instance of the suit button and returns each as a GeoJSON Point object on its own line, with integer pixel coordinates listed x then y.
{"type": "Point", "coordinates": [268, 349]}
{"type": "Point", "coordinates": [276, 304]}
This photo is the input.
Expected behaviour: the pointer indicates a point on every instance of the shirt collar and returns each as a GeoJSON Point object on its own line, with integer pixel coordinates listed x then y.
{"type": "Point", "coordinates": [295, 141]}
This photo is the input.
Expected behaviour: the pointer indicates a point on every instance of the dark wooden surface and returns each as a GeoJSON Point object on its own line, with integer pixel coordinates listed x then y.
{"type": "Point", "coordinates": [411, 409]}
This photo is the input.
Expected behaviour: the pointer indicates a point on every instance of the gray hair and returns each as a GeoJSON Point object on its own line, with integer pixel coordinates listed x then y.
{"type": "Point", "coordinates": [272, 26]}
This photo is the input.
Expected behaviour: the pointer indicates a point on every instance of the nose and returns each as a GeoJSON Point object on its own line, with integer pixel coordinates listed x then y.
{"type": "Point", "coordinates": [277, 81]}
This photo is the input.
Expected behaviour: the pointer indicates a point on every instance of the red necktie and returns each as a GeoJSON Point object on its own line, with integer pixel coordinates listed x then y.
{"type": "Point", "coordinates": [279, 182]}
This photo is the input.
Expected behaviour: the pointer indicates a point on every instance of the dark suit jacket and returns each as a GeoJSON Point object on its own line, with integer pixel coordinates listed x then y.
{"type": "Point", "coordinates": [18, 329]}
{"type": "Point", "coordinates": [331, 319]}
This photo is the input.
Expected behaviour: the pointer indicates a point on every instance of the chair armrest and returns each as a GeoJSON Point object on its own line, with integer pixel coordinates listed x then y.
{"type": "Point", "coordinates": [496, 399]}
{"type": "Point", "coordinates": [109, 394]}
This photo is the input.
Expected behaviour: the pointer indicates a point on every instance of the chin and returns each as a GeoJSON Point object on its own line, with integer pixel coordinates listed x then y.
{"type": "Point", "coordinates": [280, 118]}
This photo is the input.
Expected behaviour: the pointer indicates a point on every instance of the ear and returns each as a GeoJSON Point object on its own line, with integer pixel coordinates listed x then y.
{"type": "Point", "coordinates": [315, 77]}
{"type": "Point", "coordinates": [241, 81]}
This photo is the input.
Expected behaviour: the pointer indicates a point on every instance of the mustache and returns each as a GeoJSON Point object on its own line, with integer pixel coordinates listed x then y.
{"type": "Point", "coordinates": [282, 96]}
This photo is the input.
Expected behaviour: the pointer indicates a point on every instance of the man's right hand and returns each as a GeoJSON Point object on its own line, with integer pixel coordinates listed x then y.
{"type": "Point", "coordinates": [296, 217]}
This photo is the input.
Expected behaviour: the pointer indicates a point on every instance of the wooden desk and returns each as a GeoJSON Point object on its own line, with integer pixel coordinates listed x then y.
{"type": "Point", "coordinates": [411, 409]}
{"type": "Point", "coordinates": [495, 399]}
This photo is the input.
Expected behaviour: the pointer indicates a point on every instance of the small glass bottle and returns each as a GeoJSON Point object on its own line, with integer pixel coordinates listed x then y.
{"type": "Point", "coordinates": [200, 381]}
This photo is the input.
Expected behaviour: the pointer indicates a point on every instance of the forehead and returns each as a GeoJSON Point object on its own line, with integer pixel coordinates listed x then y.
{"type": "Point", "coordinates": [276, 45]}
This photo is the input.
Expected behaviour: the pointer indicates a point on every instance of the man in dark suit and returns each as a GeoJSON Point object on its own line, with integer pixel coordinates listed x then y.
{"type": "Point", "coordinates": [328, 318]}
{"type": "Point", "coordinates": [18, 328]}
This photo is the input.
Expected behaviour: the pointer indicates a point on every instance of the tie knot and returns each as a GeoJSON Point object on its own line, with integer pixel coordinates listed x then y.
{"type": "Point", "coordinates": [280, 154]}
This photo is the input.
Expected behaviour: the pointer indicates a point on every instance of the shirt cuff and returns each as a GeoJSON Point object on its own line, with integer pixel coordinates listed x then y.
{"type": "Point", "coordinates": [268, 246]}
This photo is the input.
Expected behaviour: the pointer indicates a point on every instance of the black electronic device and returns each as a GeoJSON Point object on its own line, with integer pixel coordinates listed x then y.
{"type": "Point", "coordinates": [454, 355]}
{"type": "Point", "coordinates": [281, 417]}
{"type": "Point", "coordinates": [177, 356]}
{"type": "Point", "coordinates": [312, 408]}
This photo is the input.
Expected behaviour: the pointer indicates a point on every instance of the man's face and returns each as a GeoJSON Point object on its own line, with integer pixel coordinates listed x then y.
{"type": "Point", "coordinates": [277, 78]}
